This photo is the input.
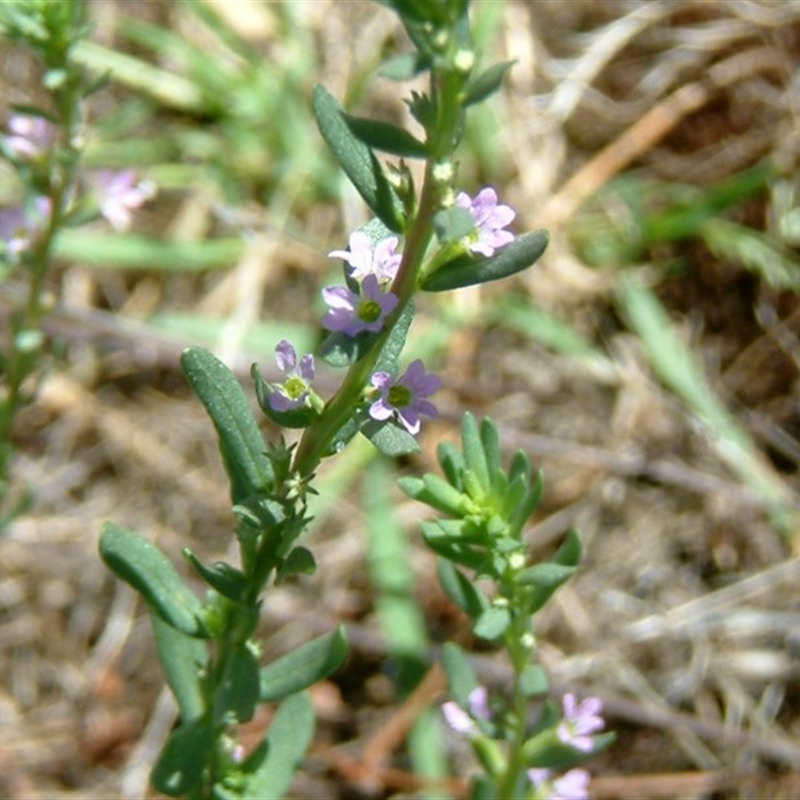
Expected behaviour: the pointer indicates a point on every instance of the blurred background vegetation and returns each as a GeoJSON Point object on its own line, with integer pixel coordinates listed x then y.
{"type": "Point", "coordinates": [649, 363]}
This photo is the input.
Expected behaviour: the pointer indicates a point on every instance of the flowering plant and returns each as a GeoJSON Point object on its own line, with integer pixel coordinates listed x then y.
{"type": "Point", "coordinates": [432, 239]}
{"type": "Point", "coordinates": [42, 146]}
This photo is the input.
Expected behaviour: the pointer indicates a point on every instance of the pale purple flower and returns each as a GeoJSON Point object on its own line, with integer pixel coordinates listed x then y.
{"type": "Point", "coordinates": [366, 257]}
{"type": "Point", "coordinates": [19, 227]}
{"type": "Point", "coordinates": [405, 396]}
{"type": "Point", "coordinates": [293, 392]}
{"type": "Point", "coordinates": [458, 719]}
{"type": "Point", "coordinates": [463, 722]}
{"type": "Point", "coordinates": [490, 219]}
{"type": "Point", "coordinates": [572, 785]}
{"type": "Point", "coordinates": [353, 313]}
{"type": "Point", "coordinates": [118, 193]}
{"type": "Point", "coordinates": [580, 721]}
{"type": "Point", "coordinates": [30, 136]}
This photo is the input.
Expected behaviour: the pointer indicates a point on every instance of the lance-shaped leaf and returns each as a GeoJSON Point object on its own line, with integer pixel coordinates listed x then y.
{"type": "Point", "coordinates": [303, 667]}
{"type": "Point", "coordinates": [567, 556]}
{"type": "Point", "coordinates": [474, 455]}
{"type": "Point", "coordinates": [445, 540]}
{"type": "Point", "coordinates": [461, 676]}
{"type": "Point", "coordinates": [492, 623]}
{"type": "Point", "coordinates": [240, 441]}
{"type": "Point", "coordinates": [237, 693]}
{"type": "Point", "coordinates": [357, 160]}
{"type": "Point", "coordinates": [227, 580]}
{"type": "Point", "coordinates": [462, 591]}
{"type": "Point", "coordinates": [487, 83]}
{"type": "Point", "coordinates": [179, 769]}
{"type": "Point", "coordinates": [392, 440]}
{"type": "Point", "coordinates": [467, 270]}
{"type": "Point", "coordinates": [386, 137]}
{"type": "Point", "coordinates": [144, 567]}
{"type": "Point", "coordinates": [288, 739]}
{"type": "Point", "coordinates": [437, 493]}
{"type": "Point", "coordinates": [183, 659]}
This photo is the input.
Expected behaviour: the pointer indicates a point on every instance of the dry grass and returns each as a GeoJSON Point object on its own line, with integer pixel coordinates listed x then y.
{"type": "Point", "coordinates": [685, 617]}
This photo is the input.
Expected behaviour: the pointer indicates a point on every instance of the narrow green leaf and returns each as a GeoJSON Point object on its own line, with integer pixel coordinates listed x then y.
{"type": "Point", "coordinates": [461, 676]}
{"type": "Point", "coordinates": [451, 460]}
{"type": "Point", "coordinates": [183, 659]}
{"type": "Point", "coordinates": [179, 769]}
{"type": "Point", "coordinates": [391, 439]}
{"type": "Point", "coordinates": [144, 567]}
{"type": "Point", "coordinates": [402, 67]}
{"type": "Point", "coordinates": [490, 439]}
{"type": "Point", "coordinates": [396, 341]}
{"type": "Point", "coordinates": [437, 493]}
{"type": "Point", "coordinates": [533, 680]}
{"type": "Point", "coordinates": [451, 546]}
{"type": "Point", "coordinates": [240, 440]}
{"type": "Point", "coordinates": [303, 667]}
{"type": "Point", "coordinates": [133, 251]}
{"type": "Point", "coordinates": [225, 579]}
{"type": "Point", "coordinates": [487, 83]}
{"type": "Point", "coordinates": [567, 556]}
{"type": "Point", "coordinates": [492, 623]}
{"type": "Point", "coordinates": [463, 592]}
{"type": "Point", "coordinates": [339, 350]}
{"type": "Point", "coordinates": [519, 515]}
{"type": "Point", "coordinates": [300, 561]}
{"type": "Point", "coordinates": [761, 253]}
{"type": "Point", "coordinates": [238, 692]}
{"type": "Point", "coordinates": [466, 270]}
{"type": "Point", "coordinates": [357, 160]}
{"type": "Point", "coordinates": [288, 739]}
{"type": "Point", "coordinates": [545, 575]}
{"type": "Point", "coordinates": [474, 455]}
{"type": "Point", "coordinates": [386, 137]}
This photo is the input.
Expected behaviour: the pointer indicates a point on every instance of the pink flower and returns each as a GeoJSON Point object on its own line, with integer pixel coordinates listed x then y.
{"type": "Point", "coordinates": [405, 397]}
{"type": "Point", "coordinates": [580, 721]}
{"type": "Point", "coordinates": [30, 136]}
{"type": "Point", "coordinates": [366, 257]}
{"type": "Point", "coordinates": [353, 313]}
{"type": "Point", "coordinates": [294, 391]}
{"type": "Point", "coordinates": [120, 192]}
{"type": "Point", "coordinates": [490, 219]}
{"type": "Point", "coordinates": [572, 785]}
{"type": "Point", "coordinates": [463, 722]}
{"type": "Point", "coordinates": [19, 227]}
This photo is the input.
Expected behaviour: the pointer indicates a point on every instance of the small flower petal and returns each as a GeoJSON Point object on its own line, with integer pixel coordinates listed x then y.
{"type": "Point", "coordinates": [352, 313]}
{"type": "Point", "coordinates": [490, 219]}
{"type": "Point", "coordinates": [285, 356]}
{"type": "Point", "coordinates": [457, 718]}
{"type": "Point", "coordinates": [366, 257]}
{"type": "Point", "coordinates": [293, 392]}
{"type": "Point", "coordinates": [405, 397]}
{"type": "Point", "coordinates": [573, 785]}
{"type": "Point", "coordinates": [118, 193]}
{"type": "Point", "coordinates": [580, 721]}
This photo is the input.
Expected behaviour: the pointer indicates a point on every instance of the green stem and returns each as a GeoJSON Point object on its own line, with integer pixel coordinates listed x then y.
{"type": "Point", "coordinates": [508, 784]}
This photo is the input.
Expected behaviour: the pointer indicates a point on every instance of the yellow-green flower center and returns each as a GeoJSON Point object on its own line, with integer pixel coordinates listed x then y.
{"type": "Point", "coordinates": [294, 387]}
{"type": "Point", "coordinates": [369, 310]}
{"type": "Point", "coordinates": [399, 396]}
